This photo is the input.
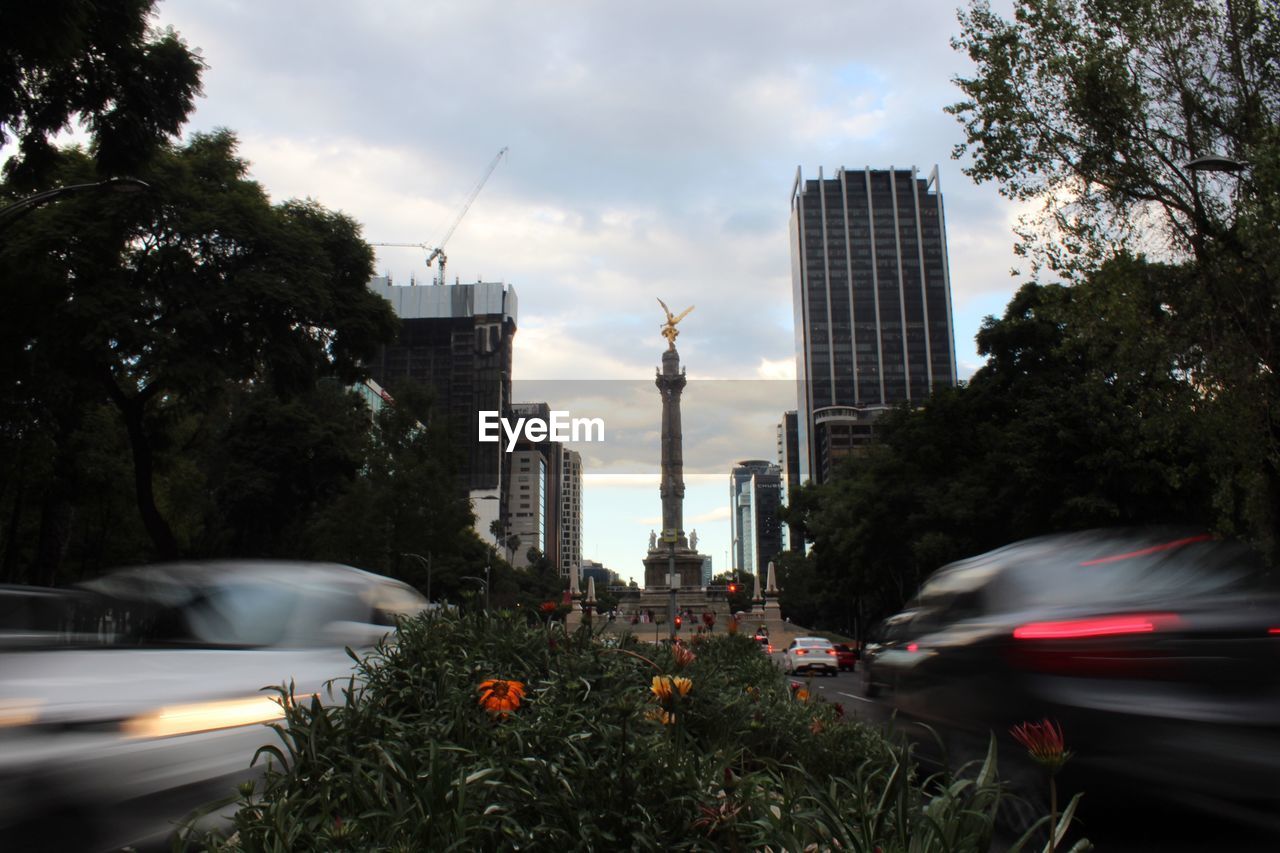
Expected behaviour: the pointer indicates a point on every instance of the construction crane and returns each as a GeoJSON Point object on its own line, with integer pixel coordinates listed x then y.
{"type": "Point", "coordinates": [437, 251]}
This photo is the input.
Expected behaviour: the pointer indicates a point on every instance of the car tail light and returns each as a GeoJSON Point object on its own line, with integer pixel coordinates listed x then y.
{"type": "Point", "coordinates": [831, 651]}
{"type": "Point", "coordinates": [1099, 626]}
{"type": "Point", "coordinates": [1124, 645]}
{"type": "Point", "coordinates": [802, 651]}
{"type": "Point", "coordinates": [1273, 630]}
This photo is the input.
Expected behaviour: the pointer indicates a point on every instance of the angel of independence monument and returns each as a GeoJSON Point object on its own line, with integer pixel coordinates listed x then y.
{"type": "Point", "coordinates": [672, 565]}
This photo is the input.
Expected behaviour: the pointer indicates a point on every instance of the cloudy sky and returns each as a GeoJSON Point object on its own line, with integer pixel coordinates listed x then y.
{"type": "Point", "coordinates": [652, 148]}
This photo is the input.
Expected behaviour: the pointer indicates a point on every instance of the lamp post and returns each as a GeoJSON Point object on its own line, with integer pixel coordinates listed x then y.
{"type": "Point", "coordinates": [1215, 163]}
{"type": "Point", "coordinates": [670, 537]}
{"type": "Point", "coordinates": [423, 561]}
{"type": "Point", "coordinates": [484, 580]}
{"type": "Point", "coordinates": [11, 212]}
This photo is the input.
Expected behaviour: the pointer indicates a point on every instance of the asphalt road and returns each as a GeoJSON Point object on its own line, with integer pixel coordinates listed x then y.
{"type": "Point", "coordinates": [1111, 820]}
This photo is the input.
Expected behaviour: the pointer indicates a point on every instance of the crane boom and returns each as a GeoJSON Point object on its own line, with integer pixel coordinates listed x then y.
{"type": "Point", "coordinates": [438, 250]}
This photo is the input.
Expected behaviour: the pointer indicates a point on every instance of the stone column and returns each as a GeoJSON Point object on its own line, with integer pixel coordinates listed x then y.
{"type": "Point", "coordinates": [671, 381]}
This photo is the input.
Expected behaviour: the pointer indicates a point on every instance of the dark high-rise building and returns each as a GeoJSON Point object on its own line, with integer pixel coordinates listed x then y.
{"type": "Point", "coordinates": [872, 299]}
{"type": "Point", "coordinates": [789, 462]}
{"type": "Point", "coordinates": [457, 339]}
{"type": "Point", "coordinates": [755, 494]}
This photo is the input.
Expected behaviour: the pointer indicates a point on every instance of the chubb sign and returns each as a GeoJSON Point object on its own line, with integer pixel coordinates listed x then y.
{"type": "Point", "coordinates": [560, 428]}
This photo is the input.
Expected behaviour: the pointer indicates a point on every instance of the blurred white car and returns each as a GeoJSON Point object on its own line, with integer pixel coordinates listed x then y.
{"type": "Point", "coordinates": [112, 744]}
{"type": "Point", "coordinates": [815, 654]}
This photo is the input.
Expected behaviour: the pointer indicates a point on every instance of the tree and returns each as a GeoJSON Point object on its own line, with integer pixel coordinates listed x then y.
{"type": "Point", "coordinates": [157, 304]}
{"type": "Point", "coordinates": [1092, 109]}
{"type": "Point", "coordinates": [97, 63]}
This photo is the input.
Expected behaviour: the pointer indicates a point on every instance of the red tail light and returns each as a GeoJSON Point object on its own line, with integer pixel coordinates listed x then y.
{"type": "Point", "coordinates": [1117, 646]}
{"type": "Point", "coordinates": [802, 651]}
{"type": "Point", "coordinates": [831, 651]}
{"type": "Point", "coordinates": [1099, 626]}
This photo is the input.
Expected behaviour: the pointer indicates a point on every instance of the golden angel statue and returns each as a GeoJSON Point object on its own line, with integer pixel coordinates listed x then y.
{"type": "Point", "coordinates": [669, 330]}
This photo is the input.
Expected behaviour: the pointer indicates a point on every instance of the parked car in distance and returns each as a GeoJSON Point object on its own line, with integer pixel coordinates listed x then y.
{"type": "Point", "coordinates": [846, 657]}
{"type": "Point", "coordinates": [814, 654]}
{"type": "Point", "coordinates": [108, 745]}
{"type": "Point", "coordinates": [1155, 650]}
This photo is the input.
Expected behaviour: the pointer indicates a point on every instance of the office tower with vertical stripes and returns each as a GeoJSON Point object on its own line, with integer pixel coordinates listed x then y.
{"type": "Point", "coordinates": [872, 301]}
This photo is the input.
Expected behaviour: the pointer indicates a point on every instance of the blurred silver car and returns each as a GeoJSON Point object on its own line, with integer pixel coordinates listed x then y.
{"type": "Point", "coordinates": [112, 744]}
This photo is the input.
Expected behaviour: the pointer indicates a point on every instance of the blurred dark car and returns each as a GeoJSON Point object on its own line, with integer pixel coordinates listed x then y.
{"type": "Point", "coordinates": [885, 640]}
{"type": "Point", "coordinates": [1158, 652]}
{"type": "Point", "coordinates": [159, 707]}
{"type": "Point", "coordinates": [846, 657]}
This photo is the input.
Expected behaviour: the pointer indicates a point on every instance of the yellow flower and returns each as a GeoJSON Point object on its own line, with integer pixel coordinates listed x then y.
{"type": "Point", "coordinates": [665, 687]}
{"type": "Point", "coordinates": [500, 697]}
{"type": "Point", "coordinates": [802, 695]}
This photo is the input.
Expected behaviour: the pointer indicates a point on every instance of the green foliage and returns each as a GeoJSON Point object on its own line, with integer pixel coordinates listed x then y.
{"type": "Point", "coordinates": [99, 63]}
{"type": "Point", "coordinates": [1093, 108]}
{"type": "Point", "coordinates": [411, 761]}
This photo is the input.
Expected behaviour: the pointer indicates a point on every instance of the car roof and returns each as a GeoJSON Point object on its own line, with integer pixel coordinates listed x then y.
{"type": "Point", "coordinates": [812, 641]}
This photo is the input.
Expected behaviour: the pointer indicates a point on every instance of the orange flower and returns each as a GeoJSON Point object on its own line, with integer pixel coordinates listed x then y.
{"type": "Point", "coordinates": [1044, 743]}
{"type": "Point", "coordinates": [548, 607]}
{"type": "Point", "coordinates": [816, 727]}
{"type": "Point", "coordinates": [658, 715]}
{"type": "Point", "coordinates": [665, 687]}
{"type": "Point", "coordinates": [500, 697]}
{"type": "Point", "coordinates": [801, 695]}
{"type": "Point", "coordinates": [682, 655]}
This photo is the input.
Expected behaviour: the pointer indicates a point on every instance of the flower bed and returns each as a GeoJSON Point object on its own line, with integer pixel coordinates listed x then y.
{"type": "Point", "coordinates": [478, 733]}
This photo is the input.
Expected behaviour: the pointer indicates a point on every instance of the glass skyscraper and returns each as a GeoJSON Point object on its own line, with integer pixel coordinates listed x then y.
{"type": "Point", "coordinates": [872, 301]}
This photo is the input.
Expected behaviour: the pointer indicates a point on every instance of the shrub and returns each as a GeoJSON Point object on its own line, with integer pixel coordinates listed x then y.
{"type": "Point", "coordinates": [604, 744]}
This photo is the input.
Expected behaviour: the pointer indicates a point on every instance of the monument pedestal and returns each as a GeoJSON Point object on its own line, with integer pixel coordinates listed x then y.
{"type": "Point", "coordinates": [658, 567]}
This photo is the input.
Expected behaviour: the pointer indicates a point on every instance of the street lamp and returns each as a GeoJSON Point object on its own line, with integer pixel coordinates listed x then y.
{"type": "Point", "coordinates": [423, 561]}
{"type": "Point", "coordinates": [11, 212]}
{"type": "Point", "coordinates": [670, 536]}
{"type": "Point", "coordinates": [1215, 163]}
{"type": "Point", "coordinates": [484, 580]}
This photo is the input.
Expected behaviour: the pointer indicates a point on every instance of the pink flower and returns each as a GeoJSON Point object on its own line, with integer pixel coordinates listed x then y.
{"type": "Point", "coordinates": [1044, 743]}
{"type": "Point", "coordinates": [683, 656]}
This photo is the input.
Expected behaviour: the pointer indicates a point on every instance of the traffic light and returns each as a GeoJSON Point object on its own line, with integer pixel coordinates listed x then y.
{"type": "Point", "coordinates": [678, 621]}
{"type": "Point", "coordinates": [733, 589]}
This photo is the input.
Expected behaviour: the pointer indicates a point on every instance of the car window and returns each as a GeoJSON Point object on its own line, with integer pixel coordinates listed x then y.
{"type": "Point", "coordinates": [243, 613]}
